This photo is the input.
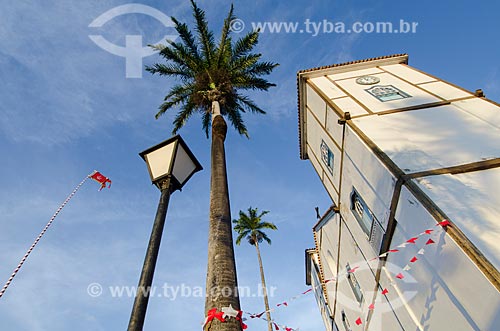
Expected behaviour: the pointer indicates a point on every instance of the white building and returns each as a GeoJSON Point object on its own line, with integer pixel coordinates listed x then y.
{"type": "Point", "coordinates": [398, 151]}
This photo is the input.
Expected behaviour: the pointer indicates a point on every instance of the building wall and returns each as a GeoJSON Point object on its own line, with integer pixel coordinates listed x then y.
{"type": "Point", "coordinates": [446, 289]}
{"type": "Point", "coordinates": [319, 137]}
{"type": "Point", "coordinates": [449, 289]}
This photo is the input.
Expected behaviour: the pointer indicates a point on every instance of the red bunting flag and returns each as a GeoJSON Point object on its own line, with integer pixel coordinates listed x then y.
{"type": "Point", "coordinates": [353, 269]}
{"type": "Point", "coordinates": [258, 315]}
{"type": "Point", "coordinates": [101, 179]}
{"type": "Point", "coordinates": [412, 240]}
{"type": "Point", "coordinates": [240, 319]}
{"type": "Point", "coordinates": [213, 313]}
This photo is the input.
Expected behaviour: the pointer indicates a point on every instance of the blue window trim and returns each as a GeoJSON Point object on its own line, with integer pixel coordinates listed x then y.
{"type": "Point", "coordinates": [356, 288]}
{"type": "Point", "coordinates": [397, 94]}
{"type": "Point", "coordinates": [345, 322]}
{"type": "Point", "coordinates": [360, 210]}
{"type": "Point", "coordinates": [374, 231]}
{"type": "Point", "coordinates": [327, 156]}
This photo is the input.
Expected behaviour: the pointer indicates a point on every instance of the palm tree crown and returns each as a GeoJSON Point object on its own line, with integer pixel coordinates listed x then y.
{"type": "Point", "coordinates": [250, 226]}
{"type": "Point", "coordinates": [211, 72]}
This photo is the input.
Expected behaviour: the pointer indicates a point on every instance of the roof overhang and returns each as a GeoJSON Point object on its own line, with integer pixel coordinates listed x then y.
{"type": "Point", "coordinates": [303, 75]}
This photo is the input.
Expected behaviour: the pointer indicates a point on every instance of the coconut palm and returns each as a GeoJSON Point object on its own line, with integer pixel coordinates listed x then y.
{"type": "Point", "coordinates": [211, 77]}
{"type": "Point", "coordinates": [250, 226]}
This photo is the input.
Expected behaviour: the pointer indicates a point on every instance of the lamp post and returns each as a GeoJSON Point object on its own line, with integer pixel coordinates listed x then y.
{"type": "Point", "coordinates": [170, 166]}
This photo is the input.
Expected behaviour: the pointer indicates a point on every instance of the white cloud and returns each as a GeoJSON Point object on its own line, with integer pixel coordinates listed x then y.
{"type": "Point", "coordinates": [62, 86]}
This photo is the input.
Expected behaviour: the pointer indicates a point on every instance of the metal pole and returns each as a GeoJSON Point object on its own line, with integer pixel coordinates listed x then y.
{"type": "Point", "coordinates": [142, 296]}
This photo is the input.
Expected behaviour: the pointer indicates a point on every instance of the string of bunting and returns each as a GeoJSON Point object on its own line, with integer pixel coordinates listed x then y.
{"type": "Point", "coordinates": [412, 241]}
{"type": "Point", "coordinates": [227, 312]}
{"type": "Point", "coordinates": [95, 175]}
{"type": "Point", "coordinates": [223, 314]}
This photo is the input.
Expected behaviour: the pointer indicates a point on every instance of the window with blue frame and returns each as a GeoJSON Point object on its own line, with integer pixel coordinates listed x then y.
{"type": "Point", "coordinates": [387, 93]}
{"type": "Point", "coordinates": [361, 212]}
{"type": "Point", "coordinates": [327, 156]}
{"type": "Point", "coordinates": [345, 322]}
{"type": "Point", "coordinates": [367, 220]}
{"type": "Point", "coordinates": [356, 288]}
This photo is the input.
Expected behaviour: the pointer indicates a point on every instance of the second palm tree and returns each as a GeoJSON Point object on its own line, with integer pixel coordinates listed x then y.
{"type": "Point", "coordinates": [251, 226]}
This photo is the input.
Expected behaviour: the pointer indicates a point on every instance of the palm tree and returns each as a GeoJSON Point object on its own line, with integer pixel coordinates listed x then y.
{"type": "Point", "coordinates": [250, 226]}
{"type": "Point", "coordinates": [211, 77]}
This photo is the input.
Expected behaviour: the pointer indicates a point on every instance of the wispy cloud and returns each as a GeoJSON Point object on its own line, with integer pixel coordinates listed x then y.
{"type": "Point", "coordinates": [493, 82]}
{"type": "Point", "coordinates": [70, 87]}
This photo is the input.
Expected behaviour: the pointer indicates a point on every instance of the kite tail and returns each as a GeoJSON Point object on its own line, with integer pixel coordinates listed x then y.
{"type": "Point", "coordinates": [2, 291]}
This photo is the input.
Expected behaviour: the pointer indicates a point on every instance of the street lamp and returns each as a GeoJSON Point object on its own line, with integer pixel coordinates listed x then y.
{"type": "Point", "coordinates": [170, 166]}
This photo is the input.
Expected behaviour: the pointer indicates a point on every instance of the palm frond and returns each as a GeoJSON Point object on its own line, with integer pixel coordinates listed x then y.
{"type": "Point", "coordinates": [263, 236]}
{"type": "Point", "coordinates": [187, 37]}
{"type": "Point", "coordinates": [253, 83]}
{"type": "Point", "coordinates": [206, 122]}
{"type": "Point", "coordinates": [262, 68]}
{"type": "Point", "coordinates": [248, 104]}
{"type": "Point", "coordinates": [184, 53]}
{"type": "Point", "coordinates": [242, 64]}
{"type": "Point", "coordinates": [233, 113]}
{"type": "Point", "coordinates": [263, 213]}
{"type": "Point", "coordinates": [250, 225]}
{"type": "Point", "coordinates": [205, 36]}
{"type": "Point", "coordinates": [244, 45]}
{"type": "Point", "coordinates": [169, 70]}
{"type": "Point", "coordinates": [171, 54]}
{"type": "Point", "coordinates": [267, 225]}
{"type": "Point", "coordinates": [224, 49]}
{"type": "Point", "coordinates": [242, 235]}
{"type": "Point", "coordinates": [177, 95]}
{"type": "Point", "coordinates": [186, 111]}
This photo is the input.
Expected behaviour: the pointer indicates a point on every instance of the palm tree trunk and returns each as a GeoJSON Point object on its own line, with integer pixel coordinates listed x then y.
{"type": "Point", "coordinates": [264, 289]}
{"type": "Point", "coordinates": [222, 285]}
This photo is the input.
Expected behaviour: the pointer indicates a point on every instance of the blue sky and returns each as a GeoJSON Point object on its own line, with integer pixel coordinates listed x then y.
{"type": "Point", "coordinates": [67, 109]}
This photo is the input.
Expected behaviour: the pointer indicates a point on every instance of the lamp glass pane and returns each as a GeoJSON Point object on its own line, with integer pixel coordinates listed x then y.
{"type": "Point", "coordinates": [183, 166]}
{"type": "Point", "coordinates": [159, 160]}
